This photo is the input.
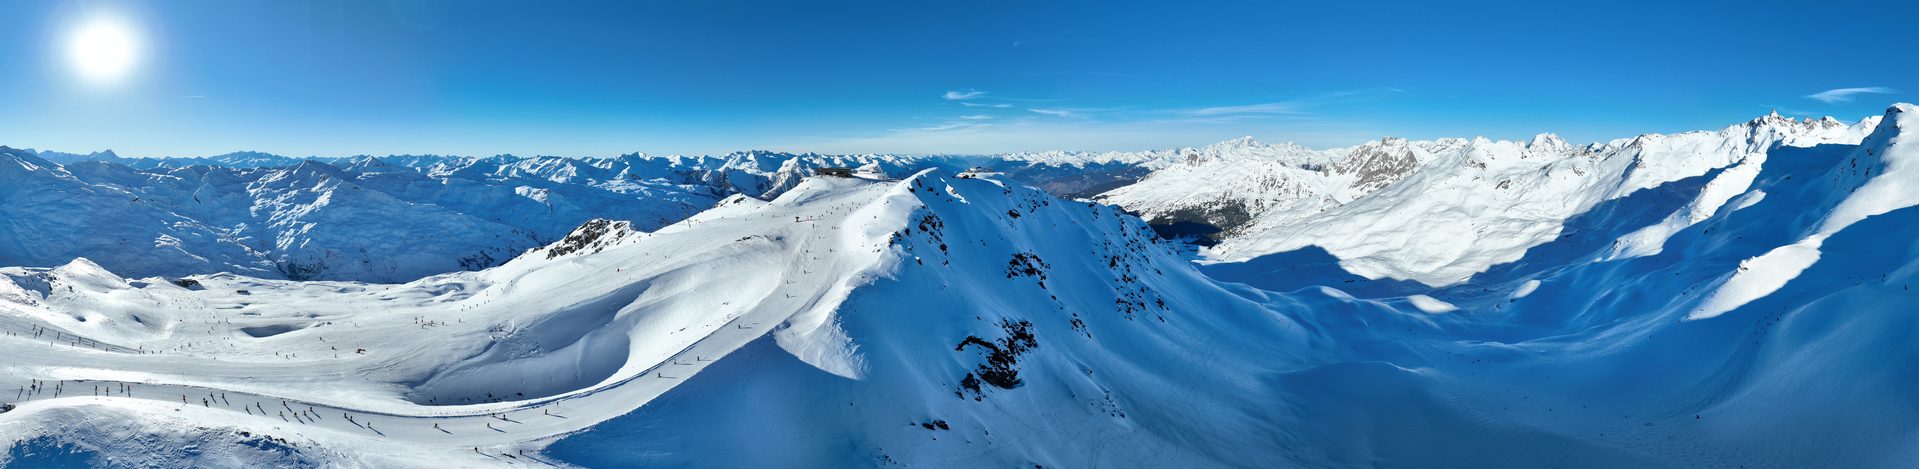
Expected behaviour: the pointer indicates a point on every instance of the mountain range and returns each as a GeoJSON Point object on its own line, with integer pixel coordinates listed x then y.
{"type": "Point", "coordinates": [1684, 300]}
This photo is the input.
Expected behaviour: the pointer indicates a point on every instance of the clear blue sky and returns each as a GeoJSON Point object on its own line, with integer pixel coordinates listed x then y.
{"type": "Point", "coordinates": [589, 78]}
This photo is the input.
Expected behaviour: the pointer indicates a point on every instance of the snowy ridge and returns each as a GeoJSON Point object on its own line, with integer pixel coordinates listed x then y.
{"type": "Point", "coordinates": [370, 218]}
{"type": "Point", "coordinates": [947, 321]}
{"type": "Point", "coordinates": [593, 335]}
{"type": "Point", "coordinates": [580, 335]}
{"type": "Point", "coordinates": [368, 221]}
{"type": "Point", "coordinates": [1438, 212]}
{"type": "Point", "coordinates": [1876, 179]}
{"type": "Point", "coordinates": [973, 321]}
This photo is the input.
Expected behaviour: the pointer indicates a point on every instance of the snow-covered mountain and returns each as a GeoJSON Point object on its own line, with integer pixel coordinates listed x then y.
{"type": "Point", "coordinates": [1016, 293]}
{"type": "Point", "coordinates": [1438, 212]}
{"type": "Point", "coordinates": [366, 221]}
{"type": "Point", "coordinates": [398, 218]}
{"type": "Point", "coordinates": [1732, 317]}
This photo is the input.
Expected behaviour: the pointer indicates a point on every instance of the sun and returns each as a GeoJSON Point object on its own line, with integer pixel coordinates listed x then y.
{"type": "Point", "coordinates": [103, 49]}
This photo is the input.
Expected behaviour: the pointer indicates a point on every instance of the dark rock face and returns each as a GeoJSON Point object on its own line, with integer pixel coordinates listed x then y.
{"type": "Point", "coordinates": [1001, 369]}
{"type": "Point", "coordinates": [1204, 225]}
{"type": "Point", "coordinates": [591, 237]}
{"type": "Point", "coordinates": [1375, 166]}
{"type": "Point", "coordinates": [1027, 265]}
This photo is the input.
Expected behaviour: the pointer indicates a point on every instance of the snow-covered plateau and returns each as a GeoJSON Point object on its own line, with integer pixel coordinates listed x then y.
{"type": "Point", "coordinates": [1730, 298]}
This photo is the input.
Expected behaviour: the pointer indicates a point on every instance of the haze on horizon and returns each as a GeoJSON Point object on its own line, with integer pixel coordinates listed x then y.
{"type": "Point", "coordinates": [603, 78]}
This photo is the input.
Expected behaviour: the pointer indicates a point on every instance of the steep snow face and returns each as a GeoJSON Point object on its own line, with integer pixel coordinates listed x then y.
{"type": "Point", "coordinates": [1735, 179]}
{"type": "Point", "coordinates": [1439, 212]}
{"type": "Point", "coordinates": [1877, 178]}
{"type": "Point", "coordinates": [1734, 337]}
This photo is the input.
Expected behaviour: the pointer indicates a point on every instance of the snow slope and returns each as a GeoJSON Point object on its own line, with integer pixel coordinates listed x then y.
{"type": "Point", "coordinates": [587, 334]}
{"type": "Point", "coordinates": [1569, 358]}
{"type": "Point", "coordinates": [946, 321]}
{"type": "Point", "coordinates": [1438, 212]}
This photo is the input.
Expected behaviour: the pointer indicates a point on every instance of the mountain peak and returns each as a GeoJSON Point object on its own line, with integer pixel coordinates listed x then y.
{"type": "Point", "coordinates": [1547, 141]}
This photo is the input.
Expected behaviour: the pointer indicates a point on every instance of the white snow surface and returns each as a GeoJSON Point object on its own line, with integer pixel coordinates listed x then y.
{"type": "Point", "coordinates": [1881, 175]}
{"type": "Point", "coordinates": [938, 321]}
{"type": "Point", "coordinates": [555, 342]}
{"type": "Point", "coordinates": [1438, 212]}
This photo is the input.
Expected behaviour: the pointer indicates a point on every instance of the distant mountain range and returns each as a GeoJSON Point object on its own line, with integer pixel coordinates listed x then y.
{"type": "Point", "coordinates": [1722, 298]}
{"type": "Point", "coordinates": [1434, 212]}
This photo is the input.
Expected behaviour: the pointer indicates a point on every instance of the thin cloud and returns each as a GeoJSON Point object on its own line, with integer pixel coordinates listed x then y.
{"type": "Point", "coordinates": [1843, 95]}
{"type": "Point", "coordinates": [1280, 107]}
{"type": "Point", "coordinates": [963, 123]}
{"type": "Point", "coordinates": [962, 95]}
{"type": "Point", "coordinates": [1029, 124]}
{"type": "Point", "coordinates": [1040, 133]}
{"type": "Point", "coordinates": [1296, 107]}
{"type": "Point", "coordinates": [950, 126]}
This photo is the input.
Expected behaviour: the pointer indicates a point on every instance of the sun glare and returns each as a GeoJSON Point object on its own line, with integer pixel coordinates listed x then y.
{"type": "Point", "coordinates": [103, 49]}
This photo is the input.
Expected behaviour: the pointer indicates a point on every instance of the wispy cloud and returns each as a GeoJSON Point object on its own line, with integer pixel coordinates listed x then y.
{"type": "Point", "coordinates": [962, 95]}
{"type": "Point", "coordinates": [1843, 95]}
{"type": "Point", "coordinates": [1300, 106]}
{"type": "Point", "coordinates": [1278, 107]}
{"type": "Point", "coordinates": [947, 126]}
{"type": "Point", "coordinates": [1010, 123]}
{"type": "Point", "coordinates": [1033, 132]}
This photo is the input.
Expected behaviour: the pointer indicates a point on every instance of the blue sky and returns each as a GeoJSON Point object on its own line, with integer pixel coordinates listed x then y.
{"type": "Point", "coordinates": [589, 78]}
